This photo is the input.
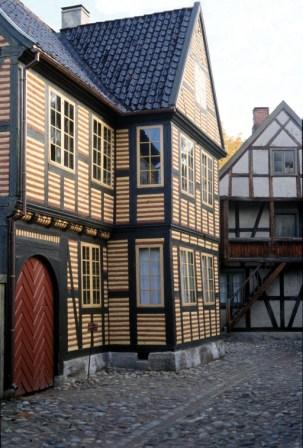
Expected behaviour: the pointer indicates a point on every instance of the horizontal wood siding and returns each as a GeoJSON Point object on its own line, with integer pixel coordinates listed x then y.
{"type": "Point", "coordinates": [83, 188]}
{"type": "Point", "coordinates": [69, 194]}
{"type": "Point", "coordinates": [118, 265]}
{"type": "Point", "coordinates": [35, 166]}
{"type": "Point", "coordinates": [5, 89]}
{"type": "Point", "coordinates": [72, 309]}
{"type": "Point", "coordinates": [108, 208]}
{"type": "Point", "coordinates": [150, 207]}
{"type": "Point", "coordinates": [96, 204]}
{"type": "Point", "coordinates": [3, 42]}
{"type": "Point", "coordinates": [74, 267]}
{"type": "Point", "coordinates": [4, 163]}
{"type": "Point", "coordinates": [205, 119]}
{"type": "Point", "coordinates": [54, 189]}
{"type": "Point", "coordinates": [36, 99]}
{"type": "Point", "coordinates": [122, 200]}
{"type": "Point", "coordinates": [151, 329]}
{"type": "Point", "coordinates": [122, 149]}
{"type": "Point", "coordinates": [83, 131]}
{"type": "Point", "coordinates": [119, 321]}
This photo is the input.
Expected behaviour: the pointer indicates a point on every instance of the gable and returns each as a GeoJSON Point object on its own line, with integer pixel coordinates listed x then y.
{"type": "Point", "coordinates": [252, 172]}
{"type": "Point", "coordinates": [204, 115]}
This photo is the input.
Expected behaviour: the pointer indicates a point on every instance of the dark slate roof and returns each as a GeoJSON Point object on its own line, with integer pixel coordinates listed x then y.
{"type": "Point", "coordinates": [136, 59]}
{"type": "Point", "coordinates": [134, 62]}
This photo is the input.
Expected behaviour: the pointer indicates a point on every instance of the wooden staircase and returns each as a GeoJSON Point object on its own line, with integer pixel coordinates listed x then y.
{"type": "Point", "coordinates": [267, 281]}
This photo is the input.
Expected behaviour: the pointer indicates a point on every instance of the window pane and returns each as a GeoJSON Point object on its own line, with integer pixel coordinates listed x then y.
{"type": "Point", "coordinates": [150, 156]}
{"type": "Point", "coordinates": [286, 225]}
{"type": "Point", "coordinates": [149, 276]}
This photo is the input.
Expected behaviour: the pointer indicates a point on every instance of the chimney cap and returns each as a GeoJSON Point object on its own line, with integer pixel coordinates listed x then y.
{"type": "Point", "coordinates": [65, 8]}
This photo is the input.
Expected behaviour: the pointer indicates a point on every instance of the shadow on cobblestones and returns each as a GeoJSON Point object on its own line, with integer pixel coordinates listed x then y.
{"type": "Point", "coordinates": [250, 398]}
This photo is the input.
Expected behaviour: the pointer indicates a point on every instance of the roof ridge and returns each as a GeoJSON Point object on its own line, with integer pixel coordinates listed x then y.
{"type": "Point", "coordinates": [188, 8]}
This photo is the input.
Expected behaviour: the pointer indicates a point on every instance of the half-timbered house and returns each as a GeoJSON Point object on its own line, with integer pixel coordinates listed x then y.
{"type": "Point", "coordinates": [262, 219]}
{"type": "Point", "coordinates": [109, 206]}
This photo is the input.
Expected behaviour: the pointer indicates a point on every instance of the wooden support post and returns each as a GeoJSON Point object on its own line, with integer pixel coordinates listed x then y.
{"type": "Point", "coordinates": [225, 228]}
{"type": "Point", "coordinates": [2, 329]}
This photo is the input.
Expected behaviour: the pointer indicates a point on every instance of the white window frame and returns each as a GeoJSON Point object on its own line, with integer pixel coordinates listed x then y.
{"type": "Point", "coordinates": [149, 246]}
{"type": "Point", "coordinates": [63, 98]}
{"type": "Point", "coordinates": [208, 281]}
{"type": "Point", "coordinates": [200, 86]}
{"type": "Point", "coordinates": [185, 289]}
{"type": "Point", "coordinates": [161, 183]}
{"type": "Point", "coordinates": [208, 183]}
{"type": "Point", "coordinates": [188, 168]}
{"type": "Point", "coordinates": [283, 150]}
{"type": "Point", "coordinates": [101, 166]}
{"type": "Point", "coordinates": [91, 290]}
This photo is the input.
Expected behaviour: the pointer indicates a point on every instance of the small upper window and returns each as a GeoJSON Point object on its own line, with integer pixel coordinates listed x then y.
{"type": "Point", "coordinates": [207, 173]}
{"type": "Point", "coordinates": [102, 160]}
{"type": "Point", "coordinates": [187, 165]}
{"type": "Point", "coordinates": [149, 156]}
{"type": "Point", "coordinates": [283, 161]}
{"type": "Point", "coordinates": [62, 139]}
{"type": "Point", "coordinates": [200, 86]}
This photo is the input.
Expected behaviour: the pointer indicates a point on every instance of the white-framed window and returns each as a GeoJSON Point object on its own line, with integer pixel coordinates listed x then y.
{"type": "Point", "coordinates": [283, 161]}
{"type": "Point", "coordinates": [150, 291]}
{"type": "Point", "coordinates": [150, 156]}
{"type": "Point", "coordinates": [62, 131]}
{"type": "Point", "coordinates": [102, 157]}
{"type": "Point", "coordinates": [90, 275]}
{"type": "Point", "coordinates": [200, 86]}
{"type": "Point", "coordinates": [187, 151]}
{"type": "Point", "coordinates": [188, 278]}
{"type": "Point", "coordinates": [207, 179]}
{"type": "Point", "coordinates": [208, 282]}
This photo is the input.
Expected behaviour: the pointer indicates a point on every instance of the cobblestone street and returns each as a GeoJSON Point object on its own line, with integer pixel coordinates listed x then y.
{"type": "Point", "coordinates": [250, 398]}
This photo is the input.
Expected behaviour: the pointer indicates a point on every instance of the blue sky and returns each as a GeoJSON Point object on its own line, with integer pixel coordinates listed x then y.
{"type": "Point", "coordinates": [255, 48]}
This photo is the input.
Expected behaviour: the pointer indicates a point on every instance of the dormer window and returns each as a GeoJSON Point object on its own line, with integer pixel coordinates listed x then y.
{"type": "Point", "coordinates": [283, 162]}
{"type": "Point", "coordinates": [200, 86]}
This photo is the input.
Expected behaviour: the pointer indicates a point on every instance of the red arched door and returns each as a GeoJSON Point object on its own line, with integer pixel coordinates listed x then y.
{"type": "Point", "coordinates": [34, 329]}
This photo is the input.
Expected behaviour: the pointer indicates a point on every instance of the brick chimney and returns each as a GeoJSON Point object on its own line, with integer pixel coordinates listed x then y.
{"type": "Point", "coordinates": [74, 16]}
{"type": "Point", "coordinates": [259, 115]}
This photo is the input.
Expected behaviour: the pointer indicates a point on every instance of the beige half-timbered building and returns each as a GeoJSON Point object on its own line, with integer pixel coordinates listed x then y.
{"type": "Point", "coordinates": [109, 144]}
{"type": "Point", "coordinates": [262, 240]}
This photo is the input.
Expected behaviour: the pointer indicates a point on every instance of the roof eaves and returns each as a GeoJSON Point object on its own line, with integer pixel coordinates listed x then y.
{"type": "Point", "coordinates": [17, 32]}
{"type": "Point", "coordinates": [186, 46]}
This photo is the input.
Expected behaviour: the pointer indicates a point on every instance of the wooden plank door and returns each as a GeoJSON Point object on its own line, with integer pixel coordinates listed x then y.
{"type": "Point", "coordinates": [34, 329]}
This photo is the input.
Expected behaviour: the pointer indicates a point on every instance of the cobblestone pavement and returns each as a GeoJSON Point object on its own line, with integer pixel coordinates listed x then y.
{"type": "Point", "coordinates": [250, 398]}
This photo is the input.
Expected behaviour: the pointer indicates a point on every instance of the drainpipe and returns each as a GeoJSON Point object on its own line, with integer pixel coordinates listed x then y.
{"type": "Point", "coordinates": [24, 127]}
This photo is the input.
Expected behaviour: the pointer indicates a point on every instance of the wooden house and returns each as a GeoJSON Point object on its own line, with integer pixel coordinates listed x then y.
{"type": "Point", "coordinates": [261, 226]}
{"type": "Point", "coordinates": [109, 205]}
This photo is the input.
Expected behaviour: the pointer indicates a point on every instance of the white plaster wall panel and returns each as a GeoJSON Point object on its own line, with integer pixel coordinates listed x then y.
{"type": "Point", "coordinates": [262, 234]}
{"type": "Point", "coordinates": [247, 214]}
{"type": "Point", "coordinates": [261, 187]}
{"type": "Point", "coordinates": [264, 221]}
{"type": "Point", "coordinates": [224, 185]}
{"type": "Point", "coordinates": [274, 289]}
{"type": "Point", "coordinates": [245, 234]}
{"type": "Point", "coordinates": [259, 315]}
{"type": "Point", "coordinates": [299, 317]}
{"type": "Point", "coordinates": [275, 306]}
{"type": "Point", "coordinates": [283, 139]}
{"type": "Point", "coordinates": [239, 187]}
{"type": "Point", "coordinates": [295, 131]}
{"type": "Point", "coordinates": [288, 309]}
{"type": "Point", "coordinates": [282, 117]}
{"type": "Point", "coordinates": [241, 166]}
{"type": "Point", "coordinates": [260, 161]}
{"type": "Point", "coordinates": [231, 216]}
{"type": "Point", "coordinates": [292, 283]}
{"type": "Point", "coordinates": [267, 134]}
{"type": "Point", "coordinates": [284, 187]}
